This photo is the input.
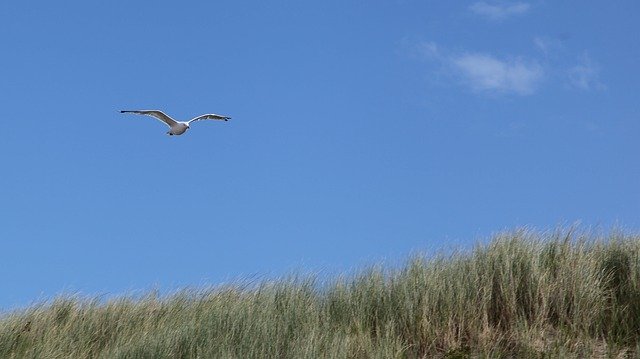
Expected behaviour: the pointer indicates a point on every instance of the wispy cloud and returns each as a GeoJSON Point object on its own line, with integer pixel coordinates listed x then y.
{"type": "Point", "coordinates": [545, 45]}
{"type": "Point", "coordinates": [499, 10]}
{"type": "Point", "coordinates": [486, 73]}
{"type": "Point", "coordinates": [429, 50]}
{"type": "Point", "coordinates": [483, 72]}
{"type": "Point", "coordinates": [550, 47]}
{"type": "Point", "coordinates": [585, 74]}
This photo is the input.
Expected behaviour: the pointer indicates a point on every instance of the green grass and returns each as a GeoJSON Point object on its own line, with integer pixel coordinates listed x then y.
{"type": "Point", "coordinates": [524, 294]}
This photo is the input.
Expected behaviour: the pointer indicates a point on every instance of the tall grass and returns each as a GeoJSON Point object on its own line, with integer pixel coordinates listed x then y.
{"type": "Point", "coordinates": [524, 294]}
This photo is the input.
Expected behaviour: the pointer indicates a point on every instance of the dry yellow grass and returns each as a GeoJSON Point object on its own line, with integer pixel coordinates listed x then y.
{"type": "Point", "coordinates": [524, 294]}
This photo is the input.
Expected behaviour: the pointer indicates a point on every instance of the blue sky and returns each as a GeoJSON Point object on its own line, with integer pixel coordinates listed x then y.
{"type": "Point", "coordinates": [361, 132]}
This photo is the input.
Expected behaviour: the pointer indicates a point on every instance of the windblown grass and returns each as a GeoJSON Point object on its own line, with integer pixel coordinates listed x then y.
{"type": "Point", "coordinates": [525, 294]}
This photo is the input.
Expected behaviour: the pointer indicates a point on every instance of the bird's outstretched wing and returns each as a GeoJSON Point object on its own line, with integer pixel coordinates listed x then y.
{"type": "Point", "coordinates": [209, 116]}
{"type": "Point", "coordinates": [154, 113]}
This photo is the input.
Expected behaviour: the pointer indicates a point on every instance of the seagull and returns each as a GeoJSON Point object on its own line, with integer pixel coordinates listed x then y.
{"type": "Point", "coordinates": [176, 127]}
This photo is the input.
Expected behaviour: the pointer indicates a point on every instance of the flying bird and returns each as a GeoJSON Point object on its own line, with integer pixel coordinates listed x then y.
{"type": "Point", "coordinates": [177, 127]}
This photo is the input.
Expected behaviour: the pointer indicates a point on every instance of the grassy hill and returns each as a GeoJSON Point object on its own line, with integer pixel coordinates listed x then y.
{"type": "Point", "coordinates": [556, 294]}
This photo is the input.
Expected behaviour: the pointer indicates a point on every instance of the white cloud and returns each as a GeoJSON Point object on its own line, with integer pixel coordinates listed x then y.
{"type": "Point", "coordinates": [585, 74]}
{"type": "Point", "coordinates": [543, 45]}
{"type": "Point", "coordinates": [500, 10]}
{"type": "Point", "coordinates": [487, 73]}
{"type": "Point", "coordinates": [429, 49]}
{"type": "Point", "coordinates": [550, 47]}
{"type": "Point", "coordinates": [484, 72]}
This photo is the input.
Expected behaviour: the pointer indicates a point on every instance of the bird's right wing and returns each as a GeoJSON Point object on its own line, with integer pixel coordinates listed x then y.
{"type": "Point", "coordinates": [210, 116]}
{"type": "Point", "coordinates": [154, 113]}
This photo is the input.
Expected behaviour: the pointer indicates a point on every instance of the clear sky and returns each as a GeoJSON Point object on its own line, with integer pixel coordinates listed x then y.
{"type": "Point", "coordinates": [361, 131]}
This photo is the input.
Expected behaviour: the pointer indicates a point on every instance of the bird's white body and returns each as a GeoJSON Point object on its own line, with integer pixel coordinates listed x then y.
{"type": "Point", "coordinates": [177, 127]}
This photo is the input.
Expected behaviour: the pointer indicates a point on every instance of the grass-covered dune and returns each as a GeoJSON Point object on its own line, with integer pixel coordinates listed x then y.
{"type": "Point", "coordinates": [524, 294]}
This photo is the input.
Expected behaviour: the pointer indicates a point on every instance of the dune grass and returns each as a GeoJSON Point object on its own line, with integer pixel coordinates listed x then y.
{"type": "Point", "coordinates": [524, 294]}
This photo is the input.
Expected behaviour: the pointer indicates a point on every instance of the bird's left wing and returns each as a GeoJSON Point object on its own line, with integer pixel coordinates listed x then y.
{"type": "Point", "coordinates": [210, 116]}
{"type": "Point", "coordinates": [154, 113]}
